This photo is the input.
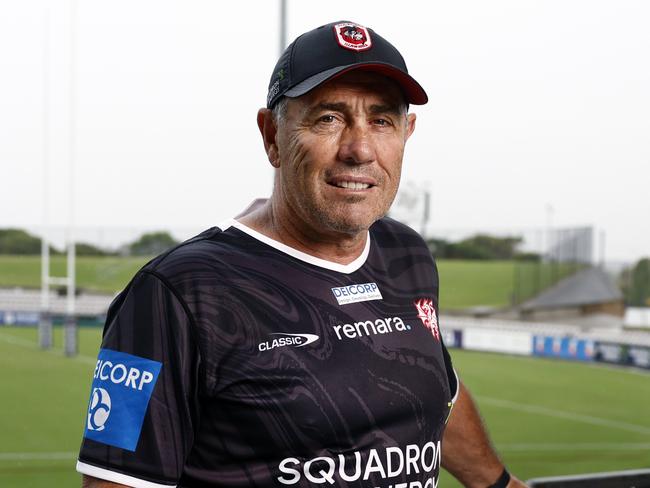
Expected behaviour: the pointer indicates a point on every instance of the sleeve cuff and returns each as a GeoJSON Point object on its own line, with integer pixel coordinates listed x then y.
{"type": "Point", "coordinates": [454, 397]}
{"type": "Point", "coordinates": [108, 475]}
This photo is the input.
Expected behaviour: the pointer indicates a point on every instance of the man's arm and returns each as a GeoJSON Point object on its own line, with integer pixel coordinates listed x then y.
{"type": "Point", "coordinates": [91, 482]}
{"type": "Point", "coordinates": [467, 452]}
{"type": "Point", "coordinates": [145, 431]}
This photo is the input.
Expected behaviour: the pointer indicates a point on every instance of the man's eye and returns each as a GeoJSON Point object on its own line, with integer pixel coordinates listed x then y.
{"type": "Point", "coordinates": [381, 122]}
{"type": "Point", "coordinates": [328, 119]}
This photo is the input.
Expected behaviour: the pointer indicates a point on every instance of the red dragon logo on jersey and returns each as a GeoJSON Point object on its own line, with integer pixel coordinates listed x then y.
{"type": "Point", "coordinates": [427, 314]}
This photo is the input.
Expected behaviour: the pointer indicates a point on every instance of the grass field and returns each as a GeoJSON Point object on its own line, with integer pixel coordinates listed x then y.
{"type": "Point", "coordinates": [464, 283]}
{"type": "Point", "coordinates": [546, 417]}
{"type": "Point", "coordinates": [103, 274]}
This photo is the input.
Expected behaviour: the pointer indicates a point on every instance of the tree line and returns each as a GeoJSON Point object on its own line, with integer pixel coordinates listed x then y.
{"type": "Point", "coordinates": [481, 247]}
{"type": "Point", "coordinates": [20, 242]}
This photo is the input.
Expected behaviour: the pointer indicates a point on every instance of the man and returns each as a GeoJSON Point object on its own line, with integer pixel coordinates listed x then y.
{"type": "Point", "coordinates": [299, 344]}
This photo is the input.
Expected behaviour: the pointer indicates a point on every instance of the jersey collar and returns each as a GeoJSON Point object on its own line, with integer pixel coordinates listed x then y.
{"type": "Point", "coordinates": [302, 256]}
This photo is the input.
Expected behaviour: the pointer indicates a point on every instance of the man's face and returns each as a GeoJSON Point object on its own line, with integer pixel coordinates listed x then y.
{"type": "Point", "coordinates": [339, 153]}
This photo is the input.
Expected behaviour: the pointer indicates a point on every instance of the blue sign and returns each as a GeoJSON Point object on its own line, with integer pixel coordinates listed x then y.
{"type": "Point", "coordinates": [120, 393]}
{"type": "Point", "coordinates": [564, 347]}
{"type": "Point", "coordinates": [452, 338]}
{"type": "Point", "coordinates": [19, 318]}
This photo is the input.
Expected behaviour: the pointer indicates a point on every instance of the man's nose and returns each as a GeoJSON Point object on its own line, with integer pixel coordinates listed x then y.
{"type": "Point", "coordinates": [356, 145]}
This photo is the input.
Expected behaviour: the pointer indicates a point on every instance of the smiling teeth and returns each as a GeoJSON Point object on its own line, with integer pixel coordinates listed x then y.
{"type": "Point", "coordinates": [353, 185]}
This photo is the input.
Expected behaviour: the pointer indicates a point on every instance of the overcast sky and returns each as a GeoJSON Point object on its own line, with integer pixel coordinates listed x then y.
{"type": "Point", "coordinates": [539, 111]}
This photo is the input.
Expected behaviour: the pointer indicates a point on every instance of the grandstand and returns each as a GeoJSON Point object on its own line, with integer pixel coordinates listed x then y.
{"type": "Point", "coordinates": [19, 306]}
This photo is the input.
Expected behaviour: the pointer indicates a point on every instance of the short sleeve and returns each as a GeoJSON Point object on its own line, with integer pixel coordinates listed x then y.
{"type": "Point", "coordinates": [139, 427]}
{"type": "Point", "coordinates": [452, 377]}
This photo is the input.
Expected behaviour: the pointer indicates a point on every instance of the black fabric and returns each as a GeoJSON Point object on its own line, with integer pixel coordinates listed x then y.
{"type": "Point", "coordinates": [231, 410]}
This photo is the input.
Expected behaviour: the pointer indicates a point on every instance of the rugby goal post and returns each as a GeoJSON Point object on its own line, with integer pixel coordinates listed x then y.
{"type": "Point", "coordinates": [639, 478]}
{"type": "Point", "coordinates": [70, 332]}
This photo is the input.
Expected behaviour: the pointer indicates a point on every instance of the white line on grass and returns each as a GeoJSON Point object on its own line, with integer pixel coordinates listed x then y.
{"type": "Point", "coordinates": [579, 446]}
{"type": "Point", "coordinates": [17, 341]}
{"type": "Point", "coordinates": [37, 456]}
{"type": "Point", "coordinates": [620, 368]}
{"type": "Point", "coordinates": [551, 412]}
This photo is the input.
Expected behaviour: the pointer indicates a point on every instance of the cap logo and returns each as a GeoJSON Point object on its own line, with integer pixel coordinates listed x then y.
{"type": "Point", "coordinates": [352, 36]}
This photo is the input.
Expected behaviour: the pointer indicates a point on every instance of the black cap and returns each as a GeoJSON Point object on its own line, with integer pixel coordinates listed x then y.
{"type": "Point", "coordinates": [329, 51]}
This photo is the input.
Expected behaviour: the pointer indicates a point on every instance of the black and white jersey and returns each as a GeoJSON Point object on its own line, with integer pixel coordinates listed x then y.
{"type": "Point", "coordinates": [236, 361]}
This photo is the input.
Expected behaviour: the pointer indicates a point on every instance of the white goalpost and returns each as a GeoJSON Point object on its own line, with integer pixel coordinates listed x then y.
{"type": "Point", "coordinates": [70, 335]}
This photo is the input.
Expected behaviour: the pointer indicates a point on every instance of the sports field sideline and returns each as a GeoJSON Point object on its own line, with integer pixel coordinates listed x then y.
{"type": "Point", "coordinates": [546, 417]}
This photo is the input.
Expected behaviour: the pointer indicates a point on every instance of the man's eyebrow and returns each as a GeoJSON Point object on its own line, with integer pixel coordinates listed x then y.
{"type": "Point", "coordinates": [324, 106]}
{"type": "Point", "coordinates": [386, 109]}
{"type": "Point", "coordinates": [375, 109]}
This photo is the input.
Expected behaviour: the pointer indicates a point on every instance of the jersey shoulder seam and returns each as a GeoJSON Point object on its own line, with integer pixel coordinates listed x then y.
{"type": "Point", "coordinates": [174, 292]}
{"type": "Point", "coordinates": [165, 282]}
{"type": "Point", "coordinates": [203, 236]}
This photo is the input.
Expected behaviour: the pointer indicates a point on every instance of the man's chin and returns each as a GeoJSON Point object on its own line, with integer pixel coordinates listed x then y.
{"type": "Point", "coordinates": [349, 223]}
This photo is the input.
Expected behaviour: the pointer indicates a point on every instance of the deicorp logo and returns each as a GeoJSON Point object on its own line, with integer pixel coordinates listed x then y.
{"type": "Point", "coordinates": [121, 389]}
{"type": "Point", "coordinates": [356, 293]}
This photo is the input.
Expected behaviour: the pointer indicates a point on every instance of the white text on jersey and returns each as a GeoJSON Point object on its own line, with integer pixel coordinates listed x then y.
{"type": "Point", "coordinates": [393, 462]}
{"type": "Point", "coordinates": [119, 373]}
{"type": "Point", "coordinates": [295, 340]}
{"type": "Point", "coordinates": [368, 327]}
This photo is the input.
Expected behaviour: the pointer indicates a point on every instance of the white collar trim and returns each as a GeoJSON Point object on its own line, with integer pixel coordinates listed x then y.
{"type": "Point", "coordinates": [303, 256]}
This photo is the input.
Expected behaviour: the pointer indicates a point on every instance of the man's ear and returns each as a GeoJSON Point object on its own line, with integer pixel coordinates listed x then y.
{"type": "Point", "coordinates": [410, 125]}
{"type": "Point", "coordinates": [269, 131]}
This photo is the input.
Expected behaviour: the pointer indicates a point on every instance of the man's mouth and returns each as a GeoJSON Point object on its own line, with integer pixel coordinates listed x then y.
{"type": "Point", "coordinates": [352, 182]}
{"type": "Point", "coordinates": [352, 185]}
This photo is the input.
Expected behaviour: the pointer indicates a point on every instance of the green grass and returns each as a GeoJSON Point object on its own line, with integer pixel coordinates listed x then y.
{"type": "Point", "coordinates": [103, 274]}
{"type": "Point", "coordinates": [467, 283]}
{"type": "Point", "coordinates": [464, 283]}
{"type": "Point", "coordinates": [551, 418]}
{"type": "Point", "coordinates": [44, 398]}
{"type": "Point", "coordinates": [546, 417]}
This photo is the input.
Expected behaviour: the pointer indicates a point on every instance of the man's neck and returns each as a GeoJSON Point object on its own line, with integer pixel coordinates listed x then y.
{"type": "Point", "coordinates": [268, 219]}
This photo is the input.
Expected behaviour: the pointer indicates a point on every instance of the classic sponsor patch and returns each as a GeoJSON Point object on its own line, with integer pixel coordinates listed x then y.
{"type": "Point", "coordinates": [357, 293]}
{"type": "Point", "coordinates": [281, 339]}
{"type": "Point", "coordinates": [121, 389]}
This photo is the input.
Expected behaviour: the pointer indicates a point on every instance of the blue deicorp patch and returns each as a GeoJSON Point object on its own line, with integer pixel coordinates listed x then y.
{"type": "Point", "coordinates": [120, 393]}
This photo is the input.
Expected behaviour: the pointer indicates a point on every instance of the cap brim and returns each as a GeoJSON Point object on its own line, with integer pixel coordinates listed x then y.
{"type": "Point", "coordinates": [414, 93]}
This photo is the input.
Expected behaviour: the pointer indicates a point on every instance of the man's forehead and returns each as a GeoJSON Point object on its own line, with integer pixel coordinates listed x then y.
{"type": "Point", "coordinates": [362, 83]}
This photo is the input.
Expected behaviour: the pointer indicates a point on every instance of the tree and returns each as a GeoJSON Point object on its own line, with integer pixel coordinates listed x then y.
{"type": "Point", "coordinates": [85, 249]}
{"type": "Point", "coordinates": [638, 290]}
{"type": "Point", "coordinates": [480, 246]}
{"type": "Point", "coordinates": [152, 243]}
{"type": "Point", "coordinates": [17, 241]}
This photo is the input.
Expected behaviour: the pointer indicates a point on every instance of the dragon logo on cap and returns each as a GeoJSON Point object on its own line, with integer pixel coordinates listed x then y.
{"type": "Point", "coordinates": [353, 36]}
